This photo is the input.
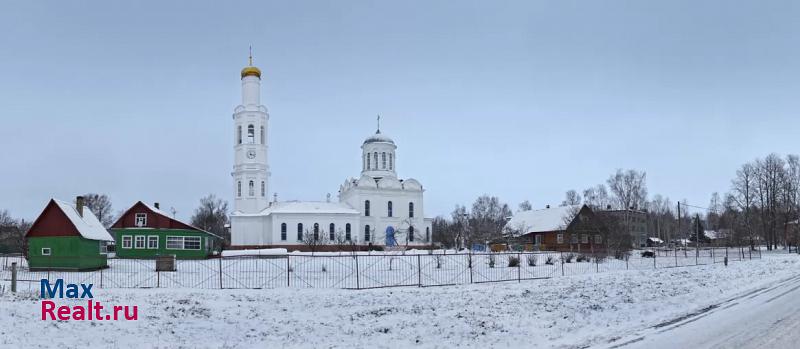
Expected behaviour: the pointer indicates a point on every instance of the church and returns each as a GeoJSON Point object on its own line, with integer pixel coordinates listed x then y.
{"type": "Point", "coordinates": [375, 209]}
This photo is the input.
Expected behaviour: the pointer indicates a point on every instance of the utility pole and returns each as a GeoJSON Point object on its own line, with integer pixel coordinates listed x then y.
{"type": "Point", "coordinates": [679, 218]}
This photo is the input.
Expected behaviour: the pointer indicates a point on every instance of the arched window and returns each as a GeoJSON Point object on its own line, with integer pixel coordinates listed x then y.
{"type": "Point", "coordinates": [299, 231]}
{"type": "Point", "coordinates": [391, 161]}
{"type": "Point", "coordinates": [239, 134]}
{"type": "Point", "coordinates": [411, 233]}
{"type": "Point", "coordinates": [252, 187]}
{"type": "Point", "coordinates": [239, 188]}
{"type": "Point", "coordinates": [332, 231]}
{"type": "Point", "coordinates": [383, 160]}
{"type": "Point", "coordinates": [263, 135]}
{"type": "Point", "coordinates": [375, 158]}
{"type": "Point", "coordinates": [369, 163]}
{"type": "Point", "coordinates": [283, 231]}
{"type": "Point", "coordinates": [410, 210]}
{"type": "Point", "coordinates": [366, 208]}
{"type": "Point", "coordinates": [427, 234]}
{"type": "Point", "coordinates": [347, 231]}
{"type": "Point", "coordinates": [316, 231]}
{"type": "Point", "coordinates": [263, 189]}
{"type": "Point", "coordinates": [389, 209]}
{"type": "Point", "coordinates": [251, 134]}
{"type": "Point", "coordinates": [366, 233]}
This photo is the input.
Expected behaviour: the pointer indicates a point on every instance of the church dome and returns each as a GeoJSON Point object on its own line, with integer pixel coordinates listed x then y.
{"type": "Point", "coordinates": [378, 138]}
{"type": "Point", "coordinates": [251, 71]}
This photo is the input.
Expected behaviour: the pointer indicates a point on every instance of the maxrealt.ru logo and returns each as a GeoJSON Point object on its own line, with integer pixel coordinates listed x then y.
{"type": "Point", "coordinates": [91, 311]}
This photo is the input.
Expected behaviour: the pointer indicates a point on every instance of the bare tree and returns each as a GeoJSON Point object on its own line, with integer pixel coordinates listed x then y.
{"type": "Point", "coordinates": [100, 205]}
{"type": "Point", "coordinates": [212, 216]}
{"type": "Point", "coordinates": [596, 197]}
{"type": "Point", "coordinates": [314, 240]}
{"type": "Point", "coordinates": [487, 219]}
{"type": "Point", "coordinates": [629, 188]}
{"type": "Point", "coordinates": [571, 197]}
{"type": "Point", "coordinates": [12, 233]}
{"type": "Point", "coordinates": [525, 206]}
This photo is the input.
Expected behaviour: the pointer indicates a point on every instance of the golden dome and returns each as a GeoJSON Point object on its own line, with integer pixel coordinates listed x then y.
{"type": "Point", "coordinates": [251, 71]}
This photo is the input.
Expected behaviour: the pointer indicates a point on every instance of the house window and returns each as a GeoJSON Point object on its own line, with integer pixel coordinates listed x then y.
{"type": "Point", "coordinates": [383, 160]}
{"type": "Point", "coordinates": [560, 239]}
{"type": "Point", "coordinates": [46, 251]}
{"type": "Point", "coordinates": [366, 208]}
{"type": "Point", "coordinates": [347, 231]}
{"type": "Point", "coordinates": [411, 233]}
{"type": "Point", "coordinates": [251, 134]}
{"type": "Point", "coordinates": [139, 241]}
{"type": "Point", "coordinates": [316, 231]}
{"type": "Point", "coordinates": [152, 242]}
{"type": "Point", "coordinates": [366, 233]}
{"type": "Point", "coordinates": [299, 231]}
{"type": "Point", "coordinates": [389, 209]}
{"type": "Point", "coordinates": [141, 220]}
{"type": "Point", "coordinates": [538, 239]}
{"type": "Point", "coordinates": [127, 241]}
{"type": "Point", "coordinates": [239, 188]}
{"type": "Point", "coordinates": [103, 247]}
{"type": "Point", "coordinates": [573, 238]}
{"type": "Point", "coordinates": [283, 231]}
{"type": "Point", "coordinates": [183, 242]}
{"type": "Point", "coordinates": [239, 135]}
{"type": "Point", "coordinates": [252, 187]}
{"type": "Point", "coordinates": [410, 210]}
{"type": "Point", "coordinates": [375, 158]}
{"type": "Point", "coordinates": [584, 238]}
{"type": "Point", "coordinates": [331, 231]}
{"type": "Point", "coordinates": [391, 161]}
{"type": "Point", "coordinates": [598, 239]}
{"type": "Point", "coordinates": [263, 135]}
{"type": "Point", "coordinates": [263, 189]}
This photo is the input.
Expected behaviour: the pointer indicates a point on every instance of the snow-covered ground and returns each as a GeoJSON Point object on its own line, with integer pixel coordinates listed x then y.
{"type": "Point", "coordinates": [573, 311]}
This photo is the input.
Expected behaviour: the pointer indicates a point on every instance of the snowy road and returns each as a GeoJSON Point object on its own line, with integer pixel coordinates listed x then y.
{"type": "Point", "coordinates": [768, 317]}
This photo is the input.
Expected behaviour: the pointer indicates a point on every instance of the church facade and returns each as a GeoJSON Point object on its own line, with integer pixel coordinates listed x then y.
{"type": "Point", "coordinates": [376, 209]}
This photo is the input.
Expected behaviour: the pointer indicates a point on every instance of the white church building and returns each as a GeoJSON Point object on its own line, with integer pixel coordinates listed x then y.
{"type": "Point", "coordinates": [375, 209]}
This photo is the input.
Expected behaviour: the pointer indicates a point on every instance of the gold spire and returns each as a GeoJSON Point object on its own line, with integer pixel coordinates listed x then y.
{"type": "Point", "coordinates": [250, 70]}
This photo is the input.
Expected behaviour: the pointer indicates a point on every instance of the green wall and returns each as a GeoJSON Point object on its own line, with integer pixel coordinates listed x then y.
{"type": "Point", "coordinates": [66, 252]}
{"type": "Point", "coordinates": [133, 252]}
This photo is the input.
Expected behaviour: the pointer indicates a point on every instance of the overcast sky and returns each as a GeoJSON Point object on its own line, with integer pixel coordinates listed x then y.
{"type": "Point", "coordinates": [523, 100]}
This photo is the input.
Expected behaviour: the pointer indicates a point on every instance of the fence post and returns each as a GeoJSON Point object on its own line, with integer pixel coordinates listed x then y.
{"type": "Point", "coordinates": [288, 271]}
{"type": "Point", "coordinates": [626, 262]}
{"type": "Point", "coordinates": [751, 253]}
{"type": "Point", "coordinates": [676, 256]}
{"type": "Point", "coordinates": [419, 270]}
{"type": "Point", "coordinates": [101, 278]}
{"type": "Point", "coordinates": [562, 263]}
{"type": "Point", "coordinates": [220, 273]}
{"type": "Point", "coordinates": [14, 277]}
{"type": "Point", "coordinates": [654, 260]}
{"type": "Point", "coordinates": [519, 268]}
{"type": "Point", "coordinates": [358, 285]}
{"type": "Point", "coordinates": [597, 263]}
{"type": "Point", "coordinates": [712, 255]}
{"type": "Point", "coordinates": [471, 265]}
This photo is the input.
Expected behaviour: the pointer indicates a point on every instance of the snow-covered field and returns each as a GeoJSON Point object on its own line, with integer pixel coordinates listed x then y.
{"type": "Point", "coordinates": [571, 311]}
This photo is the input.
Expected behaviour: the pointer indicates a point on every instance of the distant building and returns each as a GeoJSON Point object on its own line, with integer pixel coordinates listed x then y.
{"type": "Point", "coordinates": [555, 229]}
{"type": "Point", "coordinates": [144, 231]}
{"type": "Point", "coordinates": [633, 222]}
{"type": "Point", "coordinates": [67, 237]}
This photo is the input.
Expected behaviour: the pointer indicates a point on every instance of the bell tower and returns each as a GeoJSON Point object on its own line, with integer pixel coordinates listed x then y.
{"type": "Point", "coordinates": [250, 168]}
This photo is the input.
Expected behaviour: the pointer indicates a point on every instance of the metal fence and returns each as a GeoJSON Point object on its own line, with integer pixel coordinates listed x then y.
{"type": "Point", "coordinates": [360, 271]}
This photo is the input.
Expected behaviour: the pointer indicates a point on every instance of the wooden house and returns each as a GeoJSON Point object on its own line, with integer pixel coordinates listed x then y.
{"type": "Point", "coordinates": [565, 228]}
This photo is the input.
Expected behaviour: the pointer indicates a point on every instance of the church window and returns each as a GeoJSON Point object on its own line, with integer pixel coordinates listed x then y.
{"type": "Point", "coordinates": [366, 233]}
{"type": "Point", "coordinates": [410, 210]}
{"type": "Point", "coordinates": [411, 233]}
{"type": "Point", "coordinates": [427, 234]}
{"type": "Point", "coordinates": [369, 163]}
{"type": "Point", "coordinates": [375, 158]}
{"type": "Point", "coordinates": [331, 231]}
{"type": "Point", "coordinates": [391, 161]}
{"type": "Point", "coordinates": [263, 135]}
{"type": "Point", "coordinates": [239, 188]}
{"type": "Point", "coordinates": [239, 134]}
{"type": "Point", "coordinates": [389, 209]}
{"type": "Point", "coordinates": [251, 134]}
{"type": "Point", "coordinates": [383, 160]}
{"type": "Point", "coordinates": [366, 208]}
{"type": "Point", "coordinates": [283, 231]}
{"type": "Point", "coordinates": [299, 231]}
{"type": "Point", "coordinates": [252, 189]}
{"type": "Point", "coordinates": [316, 231]}
{"type": "Point", "coordinates": [263, 189]}
{"type": "Point", "coordinates": [347, 231]}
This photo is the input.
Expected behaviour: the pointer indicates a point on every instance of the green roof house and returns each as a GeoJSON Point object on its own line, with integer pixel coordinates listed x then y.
{"type": "Point", "coordinates": [144, 231]}
{"type": "Point", "coordinates": [67, 237]}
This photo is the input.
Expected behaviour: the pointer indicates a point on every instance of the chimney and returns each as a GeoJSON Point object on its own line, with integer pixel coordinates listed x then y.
{"type": "Point", "coordinates": [548, 206]}
{"type": "Point", "coordinates": [158, 207]}
{"type": "Point", "coordinates": [79, 203]}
